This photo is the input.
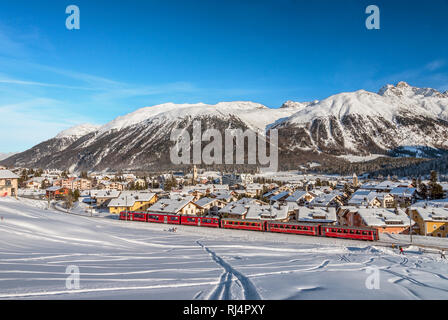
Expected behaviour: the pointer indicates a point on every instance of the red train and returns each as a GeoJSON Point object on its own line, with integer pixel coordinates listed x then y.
{"type": "Point", "coordinates": [310, 229]}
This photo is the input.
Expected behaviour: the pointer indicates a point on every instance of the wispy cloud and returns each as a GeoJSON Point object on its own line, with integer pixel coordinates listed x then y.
{"type": "Point", "coordinates": [435, 65]}
{"type": "Point", "coordinates": [41, 84]}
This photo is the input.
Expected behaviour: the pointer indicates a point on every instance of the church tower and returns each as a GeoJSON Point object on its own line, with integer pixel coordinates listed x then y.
{"type": "Point", "coordinates": [195, 173]}
{"type": "Point", "coordinates": [355, 180]}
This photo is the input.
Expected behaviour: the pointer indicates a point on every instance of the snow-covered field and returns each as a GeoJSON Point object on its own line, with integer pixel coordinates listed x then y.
{"type": "Point", "coordinates": [354, 159]}
{"type": "Point", "coordinates": [127, 260]}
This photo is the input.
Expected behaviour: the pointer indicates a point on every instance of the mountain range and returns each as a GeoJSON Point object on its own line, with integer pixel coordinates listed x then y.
{"type": "Point", "coordinates": [400, 120]}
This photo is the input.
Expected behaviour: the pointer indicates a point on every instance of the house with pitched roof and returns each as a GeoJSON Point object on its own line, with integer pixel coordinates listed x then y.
{"type": "Point", "coordinates": [404, 195]}
{"type": "Point", "coordinates": [9, 183]}
{"type": "Point", "coordinates": [317, 215]}
{"type": "Point", "coordinates": [177, 205]}
{"type": "Point", "coordinates": [430, 221]}
{"type": "Point", "coordinates": [300, 197]}
{"type": "Point", "coordinates": [211, 206]}
{"type": "Point", "coordinates": [268, 212]}
{"type": "Point", "coordinates": [132, 201]}
{"type": "Point", "coordinates": [393, 221]}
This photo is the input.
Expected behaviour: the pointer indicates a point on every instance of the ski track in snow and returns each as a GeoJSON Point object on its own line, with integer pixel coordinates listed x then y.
{"type": "Point", "coordinates": [120, 260]}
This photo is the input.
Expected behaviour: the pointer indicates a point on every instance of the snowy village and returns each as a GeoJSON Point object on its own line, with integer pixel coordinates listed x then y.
{"type": "Point", "coordinates": [390, 206]}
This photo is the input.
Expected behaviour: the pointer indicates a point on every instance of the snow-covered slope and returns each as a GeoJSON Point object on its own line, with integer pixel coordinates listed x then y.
{"type": "Point", "coordinates": [78, 131]}
{"type": "Point", "coordinates": [135, 260]}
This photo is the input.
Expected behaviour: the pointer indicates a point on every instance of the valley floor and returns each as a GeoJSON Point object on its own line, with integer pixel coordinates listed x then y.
{"type": "Point", "coordinates": [129, 260]}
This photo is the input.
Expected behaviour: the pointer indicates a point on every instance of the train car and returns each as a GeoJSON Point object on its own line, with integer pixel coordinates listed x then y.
{"type": "Point", "coordinates": [309, 229]}
{"type": "Point", "coordinates": [133, 216]}
{"type": "Point", "coordinates": [345, 232]}
{"type": "Point", "coordinates": [255, 225]}
{"type": "Point", "coordinates": [200, 221]}
{"type": "Point", "coordinates": [125, 216]}
{"type": "Point", "coordinates": [163, 218]}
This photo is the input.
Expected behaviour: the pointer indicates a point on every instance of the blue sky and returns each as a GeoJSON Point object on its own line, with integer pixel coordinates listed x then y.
{"type": "Point", "coordinates": [135, 53]}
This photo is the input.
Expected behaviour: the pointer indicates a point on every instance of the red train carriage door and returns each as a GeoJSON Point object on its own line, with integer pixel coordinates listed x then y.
{"type": "Point", "coordinates": [165, 219]}
{"type": "Point", "coordinates": [199, 222]}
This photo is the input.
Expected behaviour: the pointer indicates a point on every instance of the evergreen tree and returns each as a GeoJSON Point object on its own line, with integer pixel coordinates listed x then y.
{"type": "Point", "coordinates": [422, 190]}
{"type": "Point", "coordinates": [76, 195]}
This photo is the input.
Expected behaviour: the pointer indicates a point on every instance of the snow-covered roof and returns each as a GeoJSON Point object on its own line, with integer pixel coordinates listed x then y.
{"type": "Point", "coordinates": [382, 217]}
{"type": "Point", "coordinates": [318, 214]}
{"type": "Point", "coordinates": [205, 201]}
{"type": "Point", "coordinates": [235, 209]}
{"type": "Point", "coordinates": [170, 205]}
{"type": "Point", "coordinates": [254, 186]}
{"type": "Point", "coordinates": [364, 199]}
{"type": "Point", "coordinates": [6, 174]}
{"type": "Point", "coordinates": [279, 196]}
{"type": "Point", "coordinates": [323, 199]}
{"type": "Point", "coordinates": [223, 195]}
{"type": "Point", "coordinates": [267, 212]}
{"type": "Point", "coordinates": [433, 214]}
{"type": "Point", "coordinates": [104, 193]}
{"type": "Point", "coordinates": [296, 196]}
{"type": "Point", "coordinates": [248, 201]}
{"type": "Point", "coordinates": [402, 191]}
{"type": "Point", "coordinates": [385, 185]}
{"type": "Point", "coordinates": [129, 199]}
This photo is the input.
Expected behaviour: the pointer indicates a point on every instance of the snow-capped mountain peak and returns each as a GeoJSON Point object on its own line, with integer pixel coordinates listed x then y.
{"type": "Point", "coordinates": [296, 105]}
{"type": "Point", "coordinates": [403, 89]}
{"type": "Point", "coordinates": [77, 131]}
